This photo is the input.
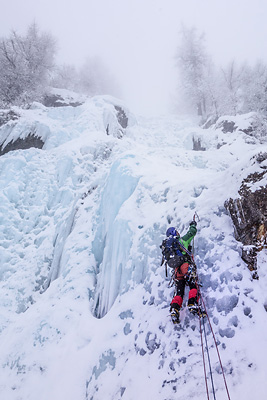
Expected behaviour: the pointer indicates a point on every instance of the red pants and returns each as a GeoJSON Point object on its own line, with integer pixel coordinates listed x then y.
{"type": "Point", "coordinates": [177, 300]}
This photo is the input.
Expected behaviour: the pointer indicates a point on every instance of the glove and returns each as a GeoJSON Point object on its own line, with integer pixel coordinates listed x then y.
{"type": "Point", "coordinates": [193, 223]}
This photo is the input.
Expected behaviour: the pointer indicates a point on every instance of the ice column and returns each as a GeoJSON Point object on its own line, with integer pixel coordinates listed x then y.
{"type": "Point", "coordinates": [113, 238]}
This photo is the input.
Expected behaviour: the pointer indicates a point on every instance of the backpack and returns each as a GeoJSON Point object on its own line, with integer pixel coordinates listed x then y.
{"type": "Point", "coordinates": [172, 252]}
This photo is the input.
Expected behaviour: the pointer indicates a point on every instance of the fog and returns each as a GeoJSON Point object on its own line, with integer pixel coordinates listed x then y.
{"type": "Point", "coordinates": [137, 39]}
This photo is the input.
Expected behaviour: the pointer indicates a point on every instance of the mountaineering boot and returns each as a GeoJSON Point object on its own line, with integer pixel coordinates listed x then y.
{"type": "Point", "coordinates": [202, 313]}
{"type": "Point", "coordinates": [175, 314]}
{"type": "Point", "coordinates": [194, 308]}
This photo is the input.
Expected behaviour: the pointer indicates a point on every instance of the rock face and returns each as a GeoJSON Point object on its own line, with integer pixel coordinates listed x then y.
{"type": "Point", "coordinates": [197, 145]}
{"type": "Point", "coordinates": [31, 140]}
{"type": "Point", "coordinates": [230, 124]}
{"type": "Point", "coordinates": [55, 100]}
{"type": "Point", "coordinates": [227, 126]}
{"type": "Point", "coordinates": [21, 144]}
{"type": "Point", "coordinates": [121, 116]}
{"type": "Point", "coordinates": [7, 115]}
{"type": "Point", "coordinates": [121, 122]}
{"type": "Point", "coordinates": [17, 133]}
{"type": "Point", "coordinates": [249, 215]}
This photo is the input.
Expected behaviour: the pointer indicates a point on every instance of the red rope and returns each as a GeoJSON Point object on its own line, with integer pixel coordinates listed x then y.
{"type": "Point", "coordinates": [216, 346]}
{"type": "Point", "coordinates": [204, 364]}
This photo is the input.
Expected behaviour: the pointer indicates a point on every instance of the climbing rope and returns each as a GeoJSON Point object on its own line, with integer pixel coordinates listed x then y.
{"type": "Point", "coordinates": [204, 363]}
{"type": "Point", "coordinates": [208, 355]}
{"type": "Point", "coordinates": [202, 320]}
{"type": "Point", "coordinates": [216, 346]}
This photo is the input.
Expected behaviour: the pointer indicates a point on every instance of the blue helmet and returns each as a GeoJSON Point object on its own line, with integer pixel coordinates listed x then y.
{"type": "Point", "coordinates": [172, 232]}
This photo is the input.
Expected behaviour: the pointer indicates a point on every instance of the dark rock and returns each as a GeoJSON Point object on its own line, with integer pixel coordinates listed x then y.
{"type": "Point", "coordinates": [230, 125]}
{"type": "Point", "coordinates": [249, 255]}
{"type": "Point", "coordinates": [122, 120]}
{"type": "Point", "coordinates": [197, 145]}
{"type": "Point", "coordinates": [6, 116]}
{"type": "Point", "coordinates": [21, 144]}
{"type": "Point", "coordinates": [260, 158]}
{"type": "Point", "coordinates": [227, 126]}
{"type": "Point", "coordinates": [249, 216]}
{"type": "Point", "coordinates": [122, 117]}
{"type": "Point", "coordinates": [55, 100]}
{"type": "Point", "coordinates": [248, 131]}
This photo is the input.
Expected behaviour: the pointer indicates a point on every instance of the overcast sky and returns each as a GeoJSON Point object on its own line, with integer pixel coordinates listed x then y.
{"type": "Point", "coordinates": [138, 39]}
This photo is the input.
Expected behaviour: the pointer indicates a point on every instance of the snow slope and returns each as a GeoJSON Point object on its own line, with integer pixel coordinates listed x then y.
{"type": "Point", "coordinates": [84, 300]}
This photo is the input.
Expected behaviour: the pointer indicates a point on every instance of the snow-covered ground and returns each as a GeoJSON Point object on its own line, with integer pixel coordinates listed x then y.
{"type": "Point", "coordinates": [84, 300]}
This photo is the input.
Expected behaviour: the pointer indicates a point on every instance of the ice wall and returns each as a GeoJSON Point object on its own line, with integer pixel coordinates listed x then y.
{"type": "Point", "coordinates": [113, 238]}
{"type": "Point", "coordinates": [41, 189]}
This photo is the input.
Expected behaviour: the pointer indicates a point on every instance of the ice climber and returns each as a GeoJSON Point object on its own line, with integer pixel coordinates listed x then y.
{"type": "Point", "coordinates": [176, 252]}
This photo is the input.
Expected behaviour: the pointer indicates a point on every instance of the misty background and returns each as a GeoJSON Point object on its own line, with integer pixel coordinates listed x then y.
{"type": "Point", "coordinates": [129, 48]}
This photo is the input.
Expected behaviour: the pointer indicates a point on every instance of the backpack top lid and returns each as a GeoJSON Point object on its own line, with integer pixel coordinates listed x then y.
{"type": "Point", "coordinates": [172, 232]}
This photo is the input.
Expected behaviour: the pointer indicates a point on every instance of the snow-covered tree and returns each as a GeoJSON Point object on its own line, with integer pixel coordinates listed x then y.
{"type": "Point", "coordinates": [255, 88]}
{"type": "Point", "coordinates": [92, 78]}
{"type": "Point", "coordinates": [242, 88]}
{"type": "Point", "coordinates": [212, 92]}
{"type": "Point", "coordinates": [231, 93]}
{"type": "Point", "coordinates": [25, 64]}
{"type": "Point", "coordinates": [95, 78]}
{"type": "Point", "coordinates": [65, 77]}
{"type": "Point", "coordinates": [193, 63]}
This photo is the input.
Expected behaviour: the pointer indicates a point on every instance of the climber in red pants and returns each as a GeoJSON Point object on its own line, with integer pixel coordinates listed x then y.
{"type": "Point", "coordinates": [173, 250]}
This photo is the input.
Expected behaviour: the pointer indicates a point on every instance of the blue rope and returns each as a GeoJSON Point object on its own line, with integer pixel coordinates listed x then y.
{"type": "Point", "coordinates": [207, 349]}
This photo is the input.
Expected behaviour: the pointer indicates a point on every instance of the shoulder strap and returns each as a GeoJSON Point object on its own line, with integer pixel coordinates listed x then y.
{"type": "Point", "coordinates": [185, 249]}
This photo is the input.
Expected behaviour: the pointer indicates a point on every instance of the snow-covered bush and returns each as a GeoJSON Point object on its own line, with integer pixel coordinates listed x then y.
{"type": "Point", "coordinates": [25, 62]}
